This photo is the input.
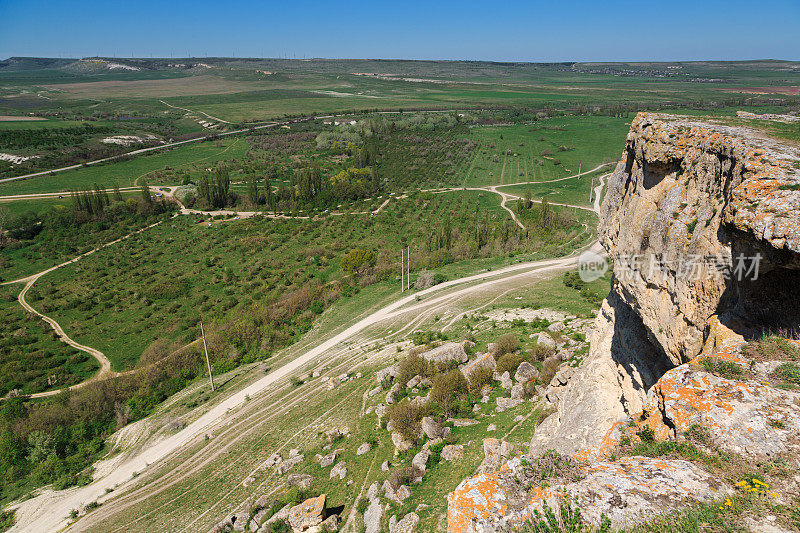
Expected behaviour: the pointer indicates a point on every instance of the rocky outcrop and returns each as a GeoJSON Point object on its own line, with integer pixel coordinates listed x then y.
{"type": "Point", "coordinates": [626, 491]}
{"type": "Point", "coordinates": [688, 208]}
{"type": "Point", "coordinates": [686, 189]}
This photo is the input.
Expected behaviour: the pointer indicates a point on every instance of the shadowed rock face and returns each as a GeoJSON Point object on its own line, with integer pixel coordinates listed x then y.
{"type": "Point", "coordinates": [687, 189]}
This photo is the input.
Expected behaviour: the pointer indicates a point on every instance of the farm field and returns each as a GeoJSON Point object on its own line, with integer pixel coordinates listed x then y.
{"type": "Point", "coordinates": [125, 173]}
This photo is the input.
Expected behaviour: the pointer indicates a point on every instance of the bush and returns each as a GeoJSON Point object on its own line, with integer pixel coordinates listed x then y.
{"type": "Point", "coordinates": [549, 369]}
{"type": "Point", "coordinates": [411, 366]}
{"type": "Point", "coordinates": [480, 377]}
{"type": "Point", "coordinates": [540, 352]}
{"type": "Point", "coordinates": [726, 369]}
{"type": "Point", "coordinates": [406, 418]}
{"type": "Point", "coordinates": [507, 343]}
{"type": "Point", "coordinates": [509, 363]}
{"type": "Point", "coordinates": [447, 389]}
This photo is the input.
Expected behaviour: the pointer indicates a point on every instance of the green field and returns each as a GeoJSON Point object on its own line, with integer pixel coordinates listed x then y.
{"type": "Point", "coordinates": [126, 173]}
{"type": "Point", "coordinates": [545, 150]}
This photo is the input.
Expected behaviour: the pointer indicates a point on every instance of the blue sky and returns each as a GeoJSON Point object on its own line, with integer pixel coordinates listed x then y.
{"type": "Point", "coordinates": [597, 30]}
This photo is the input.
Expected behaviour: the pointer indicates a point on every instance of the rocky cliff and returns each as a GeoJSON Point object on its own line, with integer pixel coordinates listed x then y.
{"type": "Point", "coordinates": [702, 222]}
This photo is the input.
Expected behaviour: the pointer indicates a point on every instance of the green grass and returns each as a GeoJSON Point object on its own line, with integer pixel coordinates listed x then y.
{"type": "Point", "coordinates": [584, 141]}
{"type": "Point", "coordinates": [32, 358]}
{"type": "Point", "coordinates": [130, 294]}
{"type": "Point", "coordinates": [125, 173]}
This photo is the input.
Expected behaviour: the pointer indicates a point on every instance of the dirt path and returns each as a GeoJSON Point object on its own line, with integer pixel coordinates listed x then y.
{"type": "Point", "coordinates": [195, 112]}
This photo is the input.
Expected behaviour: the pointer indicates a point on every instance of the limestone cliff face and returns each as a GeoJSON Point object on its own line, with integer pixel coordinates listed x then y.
{"type": "Point", "coordinates": [687, 199]}
{"type": "Point", "coordinates": [688, 206]}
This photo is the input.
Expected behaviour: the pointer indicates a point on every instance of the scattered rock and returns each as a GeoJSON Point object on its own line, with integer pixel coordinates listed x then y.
{"type": "Point", "coordinates": [392, 392]}
{"type": "Point", "coordinates": [491, 427]}
{"type": "Point", "coordinates": [406, 525]}
{"type": "Point", "coordinates": [301, 481]}
{"type": "Point", "coordinates": [340, 470]}
{"type": "Point", "coordinates": [452, 452]}
{"type": "Point", "coordinates": [375, 391]}
{"type": "Point", "coordinates": [556, 326]}
{"type": "Point", "coordinates": [505, 380]}
{"type": "Point", "coordinates": [463, 422]}
{"type": "Point", "coordinates": [364, 448]}
{"type": "Point", "coordinates": [431, 428]}
{"type": "Point", "coordinates": [274, 460]}
{"type": "Point", "coordinates": [526, 372]}
{"type": "Point", "coordinates": [308, 514]}
{"type": "Point", "coordinates": [385, 466]}
{"type": "Point", "coordinates": [451, 351]}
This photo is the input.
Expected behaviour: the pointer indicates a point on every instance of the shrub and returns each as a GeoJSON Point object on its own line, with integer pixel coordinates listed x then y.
{"type": "Point", "coordinates": [541, 352]}
{"type": "Point", "coordinates": [549, 369]}
{"type": "Point", "coordinates": [406, 417]}
{"type": "Point", "coordinates": [411, 366]}
{"type": "Point", "coordinates": [726, 369]}
{"type": "Point", "coordinates": [509, 363]}
{"type": "Point", "coordinates": [447, 389]}
{"type": "Point", "coordinates": [480, 377]}
{"type": "Point", "coordinates": [507, 343]}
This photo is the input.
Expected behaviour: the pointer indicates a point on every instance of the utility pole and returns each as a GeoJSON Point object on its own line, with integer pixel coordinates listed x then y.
{"type": "Point", "coordinates": [402, 270]}
{"type": "Point", "coordinates": [408, 269]}
{"type": "Point", "coordinates": [208, 363]}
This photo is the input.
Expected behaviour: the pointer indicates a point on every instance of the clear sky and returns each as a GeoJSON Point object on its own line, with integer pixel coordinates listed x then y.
{"type": "Point", "coordinates": [532, 30]}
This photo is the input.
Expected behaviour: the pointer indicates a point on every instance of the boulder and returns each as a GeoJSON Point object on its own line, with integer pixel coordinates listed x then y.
{"type": "Point", "coordinates": [240, 521]}
{"type": "Point", "coordinates": [332, 523]}
{"type": "Point", "coordinates": [431, 428]}
{"type": "Point", "coordinates": [385, 466]}
{"type": "Point", "coordinates": [283, 514]}
{"type": "Point", "coordinates": [308, 514]}
{"type": "Point", "coordinates": [525, 372]}
{"type": "Point", "coordinates": [392, 392]}
{"type": "Point", "coordinates": [373, 491]}
{"type": "Point", "coordinates": [517, 392]}
{"type": "Point", "coordinates": [504, 404]}
{"type": "Point", "coordinates": [405, 525]}
{"type": "Point", "coordinates": [463, 422]}
{"type": "Point", "coordinates": [627, 491]}
{"type": "Point", "coordinates": [491, 427]}
{"type": "Point", "coordinates": [391, 373]}
{"type": "Point", "coordinates": [493, 348]}
{"type": "Point", "coordinates": [413, 382]}
{"type": "Point", "coordinates": [505, 380]}
{"type": "Point", "coordinates": [364, 448]}
{"type": "Point", "coordinates": [400, 444]}
{"type": "Point", "coordinates": [373, 517]}
{"type": "Point", "coordinates": [544, 339]}
{"type": "Point", "coordinates": [289, 463]}
{"type": "Point", "coordinates": [420, 463]}
{"type": "Point", "coordinates": [375, 391]}
{"type": "Point", "coordinates": [340, 470]}
{"type": "Point", "coordinates": [556, 326]}
{"type": "Point", "coordinates": [328, 460]}
{"type": "Point", "coordinates": [452, 452]}
{"type": "Point", "coordinates": [274, 460]}
{"type": "Point", "coordinates": [495, 451]}
{"type": "Point", "coordinates": [450, 351]}
{"type": "Point", "coordinates": [301, 481]}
